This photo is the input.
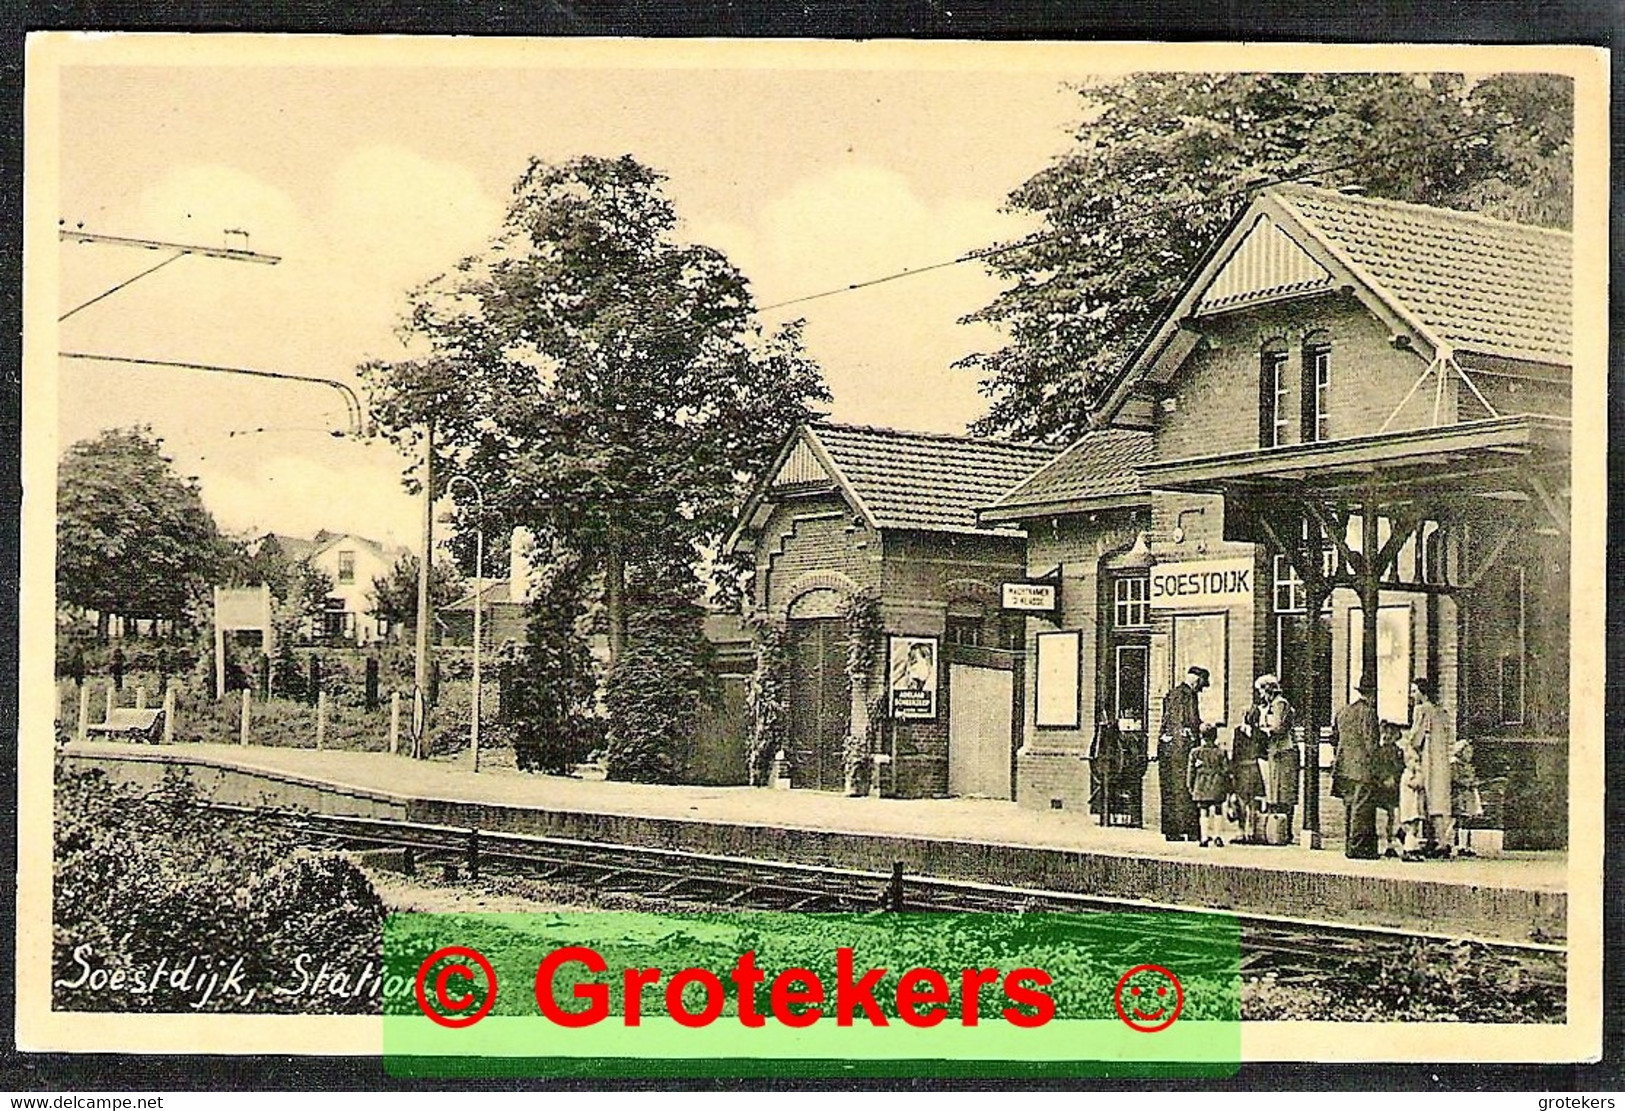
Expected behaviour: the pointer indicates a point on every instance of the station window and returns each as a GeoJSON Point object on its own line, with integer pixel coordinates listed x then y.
{"type": "Point", "coordinates": [1272, 401]}
{"type": "Point", "coordinates": [1317, 387]}
{"type": "Point", "coordinates": [964, 630]}
{"type": "Point", "coordinates": [1289, 591]}
{"type": "Point", "coordinates": [346, 567]}
{"type": "Point", "coordinates": [1131, 602]}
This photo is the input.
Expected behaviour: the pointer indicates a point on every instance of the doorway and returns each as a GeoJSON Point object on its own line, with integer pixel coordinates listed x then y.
{"type": "Point", "coordinates": [820, 702]}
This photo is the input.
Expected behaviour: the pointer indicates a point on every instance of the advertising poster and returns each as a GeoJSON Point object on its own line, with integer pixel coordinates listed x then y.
{"type": "Point", "coordinates": [913, 672]}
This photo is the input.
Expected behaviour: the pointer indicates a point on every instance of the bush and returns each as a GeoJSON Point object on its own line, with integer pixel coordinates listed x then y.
{"type": "Point", "coordinates": [149, 880]}
{"type": "Point", "coordinates": [655, 692]}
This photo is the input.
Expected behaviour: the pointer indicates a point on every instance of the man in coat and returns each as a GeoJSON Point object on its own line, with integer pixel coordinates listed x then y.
{"type": "Point", "coordinates": [1433, 734]}
{"type": "Point", "coordinates": [1181, 725]}
{"type": "Point", "coordinates": [1357, 734]}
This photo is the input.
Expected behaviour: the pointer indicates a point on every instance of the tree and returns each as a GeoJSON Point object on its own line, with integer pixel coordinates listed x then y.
{"type": "Point", "coordinates": [132, 536]}
{"type": "Point", "coordinates": [657, 688]}
{"type": "Point", "coordinates": [303, 598]}
{"type": "Point", "coordinates": [1164, 162]}
{"type": "Point", "coordinates": [395, 595]}
{"type": "Point", "coordinates": [605, 385]}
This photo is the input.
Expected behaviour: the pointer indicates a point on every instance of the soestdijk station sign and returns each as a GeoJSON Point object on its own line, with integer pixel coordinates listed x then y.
{"type": "Point", "coordinates": [1202, 584]}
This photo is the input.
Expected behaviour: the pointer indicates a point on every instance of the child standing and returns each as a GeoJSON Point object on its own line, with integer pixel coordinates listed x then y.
{"type": "Point", "coordinates": [1413, 797]}
{"type": "Point", "coordinates": [1208, 779]}
{"type": "Point", "coordinates": [1389, 766]}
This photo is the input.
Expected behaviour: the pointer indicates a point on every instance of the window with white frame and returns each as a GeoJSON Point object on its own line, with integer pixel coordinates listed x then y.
{"type": "Point", "coordinates": [1289, 592]}
{"type": "Point", "coordinates": [1321, 365]}
{"type": "Point", "coordinates": [346, 567]}
{"type": "Point", "coordinates": [1317, 387]}
{"type": "Point", "coordinates": [1273, 423]}
{"type": "Point", "coordinates": [1131, 602]}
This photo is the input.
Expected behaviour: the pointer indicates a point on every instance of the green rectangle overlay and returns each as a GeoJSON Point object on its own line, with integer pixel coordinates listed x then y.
{"type": "Point", "coordinates": [624, 994]}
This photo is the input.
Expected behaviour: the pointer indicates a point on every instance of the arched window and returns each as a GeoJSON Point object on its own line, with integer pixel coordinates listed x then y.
{"type": "Point", "coordinates": [1272, 394]}
{"type": "Point", "coordinates": [1317, 386]}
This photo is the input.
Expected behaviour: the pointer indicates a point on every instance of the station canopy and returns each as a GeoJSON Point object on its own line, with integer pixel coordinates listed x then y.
{"type": "Point", "coordinates": [1499, 474]}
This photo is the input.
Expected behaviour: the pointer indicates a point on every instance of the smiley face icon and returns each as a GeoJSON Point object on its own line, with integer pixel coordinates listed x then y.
{"type": "Point", "coordinates": [1149, 998]}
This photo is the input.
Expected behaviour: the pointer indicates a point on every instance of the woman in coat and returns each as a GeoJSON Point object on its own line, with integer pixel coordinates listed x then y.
{"type": "Point", "coordinates": [1279, 747]}
{"type": "Point", "coordinates": [1433, 735]}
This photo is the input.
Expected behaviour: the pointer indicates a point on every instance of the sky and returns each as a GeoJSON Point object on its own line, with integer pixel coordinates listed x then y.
{"type": "Point", "coordinates": [368, 179]}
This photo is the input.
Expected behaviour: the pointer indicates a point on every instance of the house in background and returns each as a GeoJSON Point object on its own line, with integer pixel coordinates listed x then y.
{"type": "Point", "coordinates": [502, 618]}
{"type": "Point", "coordinates": [351, 562]}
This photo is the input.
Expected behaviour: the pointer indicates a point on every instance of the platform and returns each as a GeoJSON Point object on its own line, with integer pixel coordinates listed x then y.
{"type": "Point", "coordinates": [1511, 897]}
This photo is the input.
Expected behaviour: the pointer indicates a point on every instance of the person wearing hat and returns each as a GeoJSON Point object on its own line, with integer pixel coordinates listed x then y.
{"type": "Point", "coordinates": [1280, 749]}
{"type": "Point", "coordinates": [1181, 725]}
{"type": "Point", "coordinates": [1356, 735]}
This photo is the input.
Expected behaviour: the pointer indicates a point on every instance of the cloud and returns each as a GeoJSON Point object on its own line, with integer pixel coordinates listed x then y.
{"type": "Point", "coordinates": [352, 489]}
{"type": "Point", "coordinates": [404, 218]}
{"type": "Point", "coordinates": [886, 349]}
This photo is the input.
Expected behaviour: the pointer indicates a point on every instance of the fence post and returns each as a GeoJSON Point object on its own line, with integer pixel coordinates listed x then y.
{"type": "Point", "coordinates": [141, 697]}
{"type": "Point", "coordinates": [83, 725]}
{"type": "Point", "coordinates": [112, 700]}
{"type": "Point", "coordinates": [394, 722]}
{"type": "Point", "coordinates": [247, 698]}
{"type": "Point", "coordinates": [321, 719]}
{"type": "Point", "coordinates": [169, 715]}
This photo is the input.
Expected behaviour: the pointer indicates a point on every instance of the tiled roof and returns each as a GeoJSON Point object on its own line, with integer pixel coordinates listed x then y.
{"type": "Point", "coordinates": [923, 480]}
{"type": "Point", "coordinates": [1479, 284]}
{"type": "Point", "coordinates": [1099, 466]}
{"type": "Point", "coordinates": [495, 592]}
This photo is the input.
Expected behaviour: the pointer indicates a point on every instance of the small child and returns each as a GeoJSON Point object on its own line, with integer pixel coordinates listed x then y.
{"type": "Point", "coordinates": [1389, 769]}
{"type": "Point", "coordinates": [1208, 779]}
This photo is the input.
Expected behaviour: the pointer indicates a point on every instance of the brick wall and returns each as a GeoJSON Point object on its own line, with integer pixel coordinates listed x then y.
{"type": "Point", "coordinates": [812, 535]}
{"type": "Point", "coordinates": [816, 544]}
{"type": "Point", "coordinates": [1216, 392]}
{"type": "Point", "coordinates": [1052, 763]}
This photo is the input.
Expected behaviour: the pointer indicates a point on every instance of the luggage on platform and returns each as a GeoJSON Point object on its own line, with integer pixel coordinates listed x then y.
{"type": "Point", "coordinates": [1276, 831]}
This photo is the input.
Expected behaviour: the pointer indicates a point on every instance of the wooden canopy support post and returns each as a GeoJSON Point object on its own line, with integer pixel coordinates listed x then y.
{"type": "Point", "coordinates": [1315, 591]}
{"type": "Point", "coordinates": [1370, 586]}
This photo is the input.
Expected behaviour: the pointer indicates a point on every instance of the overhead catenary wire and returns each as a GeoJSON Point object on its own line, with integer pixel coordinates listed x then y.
{"type": "Point", "coordinates": [353, 407]}
{"type": "Point", "coordinates": [1129, 216]}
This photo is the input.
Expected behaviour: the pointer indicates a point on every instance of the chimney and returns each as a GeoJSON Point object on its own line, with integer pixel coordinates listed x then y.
{"type": "Point", "coordinates": [520, 546]}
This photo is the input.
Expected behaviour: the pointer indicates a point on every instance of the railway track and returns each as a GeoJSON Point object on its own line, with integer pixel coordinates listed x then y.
{"type": "Point", "coordinates": [1286, 947]}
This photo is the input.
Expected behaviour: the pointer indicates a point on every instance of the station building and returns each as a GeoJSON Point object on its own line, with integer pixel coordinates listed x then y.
{"type": "Point", "coordinates": [1345, 449]}
{"type": "Point", "coordinates": [865, 542]}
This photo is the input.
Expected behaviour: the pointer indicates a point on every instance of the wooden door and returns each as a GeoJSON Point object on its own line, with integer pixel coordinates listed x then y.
{"type": "Point", "coordinates": [979, 731]}
{"type": "Point", "coordinates": [820, 702]}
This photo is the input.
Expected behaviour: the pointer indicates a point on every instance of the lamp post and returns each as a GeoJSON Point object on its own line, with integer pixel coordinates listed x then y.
{"type": "Point", "coordinates": [479, 605]}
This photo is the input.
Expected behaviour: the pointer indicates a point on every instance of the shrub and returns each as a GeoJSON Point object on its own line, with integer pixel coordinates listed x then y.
{"type": "Point", "coordinates": [147, 879]}
{"type": "Point", "coordinates": [655, 692]}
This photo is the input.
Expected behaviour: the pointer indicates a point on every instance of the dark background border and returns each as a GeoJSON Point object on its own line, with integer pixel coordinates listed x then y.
{"type": "Point", "coordinates": [1583, 22]}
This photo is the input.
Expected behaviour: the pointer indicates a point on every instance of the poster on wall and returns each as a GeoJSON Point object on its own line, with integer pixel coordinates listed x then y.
{"type": "Point", "coordinates": [1057, 680]}
{"type": "Point", "coordinates": [1393, 661]}
{"type": "Point", "coordinates": [912, 667]}
{"type": "Point", "coordinates": [1200, 641]}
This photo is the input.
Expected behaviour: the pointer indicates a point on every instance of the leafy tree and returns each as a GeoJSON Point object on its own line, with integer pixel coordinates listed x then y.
{"type": "Point", "coordinates": [604, 384]}
{"type": "Point", "coordinates": [132, 536]}
{"type": "Point", "coordinates": [656, 691]}
{"type": "Point", "coordinates": [557, 683]}
{"type": "Point", "coordinates": [305, 590]}
{"type": "Point", "coordinates": [395, 595]}
{"type": "Point", "coordinates": [1163, 162]}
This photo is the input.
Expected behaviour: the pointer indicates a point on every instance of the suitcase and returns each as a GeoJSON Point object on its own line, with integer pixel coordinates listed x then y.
{"type": "Point", "coordinates": [1276, 831]}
